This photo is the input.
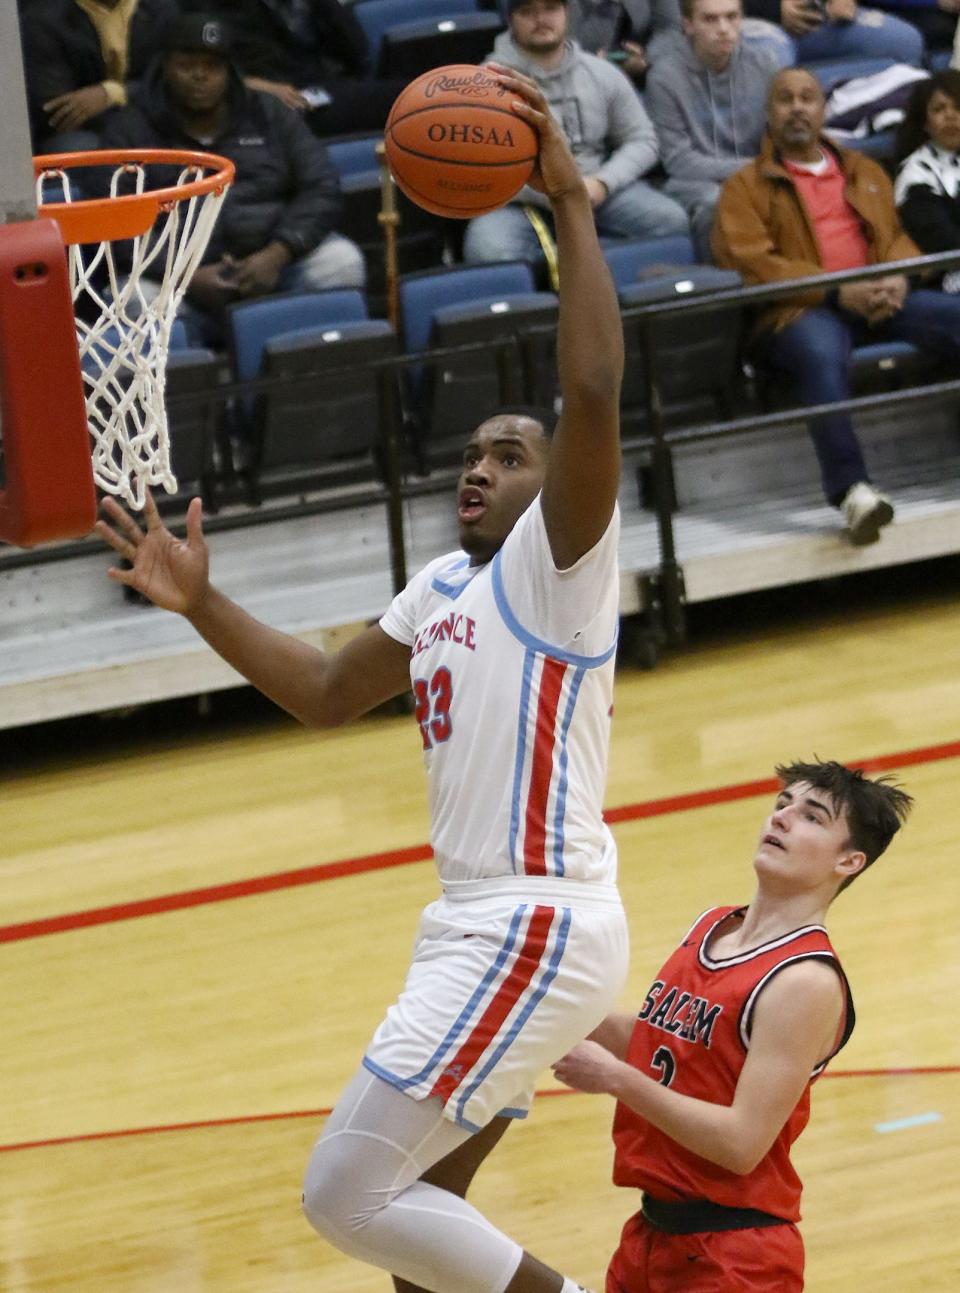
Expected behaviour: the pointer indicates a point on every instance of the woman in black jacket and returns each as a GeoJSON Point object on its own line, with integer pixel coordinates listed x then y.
{"type": "Point", "coordinates": [927, 189]}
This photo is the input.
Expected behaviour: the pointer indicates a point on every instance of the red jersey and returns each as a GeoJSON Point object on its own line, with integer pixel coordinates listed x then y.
{"type": "Point", "coordinates": [692, 1034]}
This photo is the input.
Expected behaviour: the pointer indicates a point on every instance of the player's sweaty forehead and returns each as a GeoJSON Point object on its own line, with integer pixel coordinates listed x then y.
{"type": "Point", "coordinates": [508, 430]}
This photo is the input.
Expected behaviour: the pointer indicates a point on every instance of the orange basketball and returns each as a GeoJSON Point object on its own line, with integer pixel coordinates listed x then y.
{"type": "Point", "coordinates": [454, 144]}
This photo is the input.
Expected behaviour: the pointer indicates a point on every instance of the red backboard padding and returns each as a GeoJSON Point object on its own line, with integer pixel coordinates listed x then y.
{"type": "Point", "coordinates": [49, 492]}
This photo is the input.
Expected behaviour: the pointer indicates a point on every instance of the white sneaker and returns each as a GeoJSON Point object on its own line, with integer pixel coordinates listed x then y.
{"type": "Point", "coordinates": [866, 511]}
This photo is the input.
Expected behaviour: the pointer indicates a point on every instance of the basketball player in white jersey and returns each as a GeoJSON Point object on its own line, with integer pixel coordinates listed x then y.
{"type": "Point", "coordinates": [509, 644]}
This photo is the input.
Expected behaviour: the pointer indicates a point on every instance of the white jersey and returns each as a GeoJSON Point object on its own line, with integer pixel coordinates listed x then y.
{"type": "Point", "coordinates": [512, 668]}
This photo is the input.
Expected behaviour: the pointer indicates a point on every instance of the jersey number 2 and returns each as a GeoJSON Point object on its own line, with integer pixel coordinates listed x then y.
{"type": "Point", "coordinates": [665, 1065]}
{"type": "Point", "coordinates": [433, 700]}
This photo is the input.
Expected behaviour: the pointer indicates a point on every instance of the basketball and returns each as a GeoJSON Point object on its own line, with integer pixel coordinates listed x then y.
{"type": "Point", "coordinates": [454, 144]}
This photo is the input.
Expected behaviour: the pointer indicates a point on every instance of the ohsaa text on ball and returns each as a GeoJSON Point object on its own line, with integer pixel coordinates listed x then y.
{"type": "Point", "coordinates": [440, 132]}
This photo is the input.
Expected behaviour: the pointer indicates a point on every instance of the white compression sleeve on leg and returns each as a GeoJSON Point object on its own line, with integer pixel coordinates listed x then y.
{"type": "Point", "coordinates": [363, 1193]}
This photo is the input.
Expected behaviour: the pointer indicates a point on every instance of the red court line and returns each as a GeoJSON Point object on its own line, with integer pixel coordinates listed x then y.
{"type": "Point", "coordinates": [419, 853]}
{"type": "Point", "coordinates": [244, 1120]}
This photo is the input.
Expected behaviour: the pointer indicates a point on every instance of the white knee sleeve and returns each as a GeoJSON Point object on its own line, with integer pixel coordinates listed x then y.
{"type": "Point", "coordinates": [362, 1192]}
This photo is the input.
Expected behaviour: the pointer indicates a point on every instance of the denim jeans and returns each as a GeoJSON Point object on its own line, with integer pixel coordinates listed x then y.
{"type": "Point", "coordinates": [336, 262]}
{"type": "Point", "coordinates": [637, 211]}
{"type": "Point", "coordinates": [815, 352]}
{"type": "Point", "coordinates": [872, 34]}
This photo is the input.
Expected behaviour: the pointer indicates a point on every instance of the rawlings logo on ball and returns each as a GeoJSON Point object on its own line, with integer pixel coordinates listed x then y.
{"type": "Point", "coordinates": [478, 84]}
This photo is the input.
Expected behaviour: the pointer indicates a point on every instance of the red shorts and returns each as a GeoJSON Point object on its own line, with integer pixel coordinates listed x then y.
{"type": "Point", "coordinates": [765, 1260]}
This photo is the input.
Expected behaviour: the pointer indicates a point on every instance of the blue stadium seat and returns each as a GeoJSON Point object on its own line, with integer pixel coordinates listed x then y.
{"type": "Point", "coordinates": [323, 427]}
{"type": "Point", "coordinates": [194, 422]}
{"type": "Point", "coordinates": [475, 303]}
{"type": "Point", "coordinates": [376, 17]}
{"type": "Point", "coordinates": [251, 324]}
{"type": "Point", "coordinates": [353, 155]}
{"type": "Point", "coordinates": [411, 48]}
{"type": "Point", "coordinates": [420, 235]}
{"type": "Point", "coordinates": [697, 356]}
{"type": "Point", "coordinates": [317, 428]}
{"type": "Point", "coordinates": [627, 259]}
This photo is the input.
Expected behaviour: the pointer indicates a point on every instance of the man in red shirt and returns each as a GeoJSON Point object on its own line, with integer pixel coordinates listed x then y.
{"type": "Point", "coordinates": [712, 1078]}
{"type": "Point", "coordinates": [801, 207]}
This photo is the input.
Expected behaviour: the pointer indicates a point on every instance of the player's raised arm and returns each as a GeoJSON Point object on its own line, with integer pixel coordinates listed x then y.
{"type": "Point", "coordinates": [320, 690]}
{"type": "Point", "coordinates": [583, 475]}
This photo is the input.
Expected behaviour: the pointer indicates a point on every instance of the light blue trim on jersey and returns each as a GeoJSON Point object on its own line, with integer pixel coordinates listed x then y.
{"type": "Point", "coordinates": [547, 978]}
{"type": "Point", "coordinates": [452, 591]}
{"type": "Point", "coordinates": [456, 1028]}
{"type": "Point", "coordinates": [529, 660]}
{"type": "Point", "coordinates": [504, 1113]}
{"type": "Point", "coordinates": [561, 806]}
{"type": "Point", "coordinates": [535, 643]}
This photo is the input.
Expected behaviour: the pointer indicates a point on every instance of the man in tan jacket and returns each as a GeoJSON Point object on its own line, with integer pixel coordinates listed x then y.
{"type": "Point", "coordinates": [803, 207]}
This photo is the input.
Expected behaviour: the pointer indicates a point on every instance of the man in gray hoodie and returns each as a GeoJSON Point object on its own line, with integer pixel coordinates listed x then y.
{"type": "Point", "coordinates": [708, 98]}
{"type": "Point", "coordinates": [610, 134]}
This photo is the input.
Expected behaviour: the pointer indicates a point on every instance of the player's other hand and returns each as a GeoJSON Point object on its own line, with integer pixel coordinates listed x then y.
{"type": "Point", "coordinates": [556, 173]}
{"type": "Point", "coordinates": [173, 573]}
{"type": "Point", "coordinates": [588, 1067]}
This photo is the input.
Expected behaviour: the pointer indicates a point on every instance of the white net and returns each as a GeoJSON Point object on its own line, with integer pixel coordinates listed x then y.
{"type": "Point", "coordinates": [125, 297]}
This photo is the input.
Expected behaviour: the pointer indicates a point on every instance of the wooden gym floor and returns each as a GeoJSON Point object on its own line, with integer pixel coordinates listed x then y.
{"type": "Point", "coordinates": [189, 974]}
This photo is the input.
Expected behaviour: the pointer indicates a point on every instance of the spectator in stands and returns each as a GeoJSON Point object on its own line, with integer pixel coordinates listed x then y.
{"type": "Point", "coordinates": [275, 231]}
{"type": "Point", "coordinates": [626, 32]}
{"type": "Point", "coordinates": [927, 188]}
{"type": "Point", "coordinates": [804, 207]}
{"type": "Point", "coordinates": [832, 29]}
{"type": "Point", "coordinates": [707, 98]}
{"type": "Point", "coordinates": [311, 54]}
{"type": "Point", "coordinates": [80, 58]}
{"type": "Point", "coordinates": [608, 129]}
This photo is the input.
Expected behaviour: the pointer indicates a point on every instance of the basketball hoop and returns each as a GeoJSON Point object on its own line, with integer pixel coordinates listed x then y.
{"type": "Point", "coordinates": [131, 257]}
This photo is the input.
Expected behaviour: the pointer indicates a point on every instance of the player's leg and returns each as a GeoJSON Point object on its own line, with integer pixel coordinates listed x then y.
{"type": "Point", "coordinates": [455, 1173]}
{"type": "Point", "coordinates": [365, 1192]}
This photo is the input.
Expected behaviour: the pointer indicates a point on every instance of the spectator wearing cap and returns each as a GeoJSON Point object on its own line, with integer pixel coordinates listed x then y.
{"type": "Point", "coordinates": [81, 57]}
{"type": "Point", "coordinates": [277, 228]}
{"type": "Point", "coordinates": [611, 136]}
{"type": "Point", "coordinates": [313, 55]}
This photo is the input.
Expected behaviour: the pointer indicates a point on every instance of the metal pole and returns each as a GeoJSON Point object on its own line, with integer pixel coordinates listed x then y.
{"type": "Point", "coordinates": [389, 219]}
{"type": "Point", "coordinates": [671, 576]}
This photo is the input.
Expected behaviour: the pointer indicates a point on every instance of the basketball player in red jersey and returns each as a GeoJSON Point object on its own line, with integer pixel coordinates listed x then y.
{"type": "Point", "coordinates": [712, 1078]}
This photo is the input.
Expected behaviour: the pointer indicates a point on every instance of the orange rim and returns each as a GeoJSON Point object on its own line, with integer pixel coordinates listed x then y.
{"type": "Point", "coordinates": [90, 220]}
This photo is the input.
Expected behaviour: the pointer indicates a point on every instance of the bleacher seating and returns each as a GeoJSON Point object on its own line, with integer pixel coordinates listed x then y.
{"type": "Point", "coordinates": [412, 48]}
{"type": "Point", "coordinates": [420, 236]}
{"type": "Point", "coordinates": [482, 303]}
{"type": "Point", "coordinates": [194, 421]}
{"type": "Point", "coordinates": [317, 427]}
{"type": "Point", "coordinates": [696, 358]}
{"type": "Point", "coordinates": [377, 17]}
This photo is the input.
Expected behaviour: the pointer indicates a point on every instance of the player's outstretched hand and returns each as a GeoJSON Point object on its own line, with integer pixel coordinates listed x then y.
{"type": "Point", "coordinates": [556, 173]}
{"type": "Point", "coordinates": [588, 1067]}
{"type": "Point", "coordinates": [171, 572]}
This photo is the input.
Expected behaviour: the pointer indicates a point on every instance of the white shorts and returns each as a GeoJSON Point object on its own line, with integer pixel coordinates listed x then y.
{"type": "Point", "coordinates": [507, 976]}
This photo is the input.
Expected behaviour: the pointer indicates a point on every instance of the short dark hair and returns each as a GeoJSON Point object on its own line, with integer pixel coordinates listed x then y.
{"type": "Point", "coordinates": [540, 413]}
{"type": "Point", "coordinates": [912, 131]}
{"type": "Point", "coordinates": [875, 809]}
